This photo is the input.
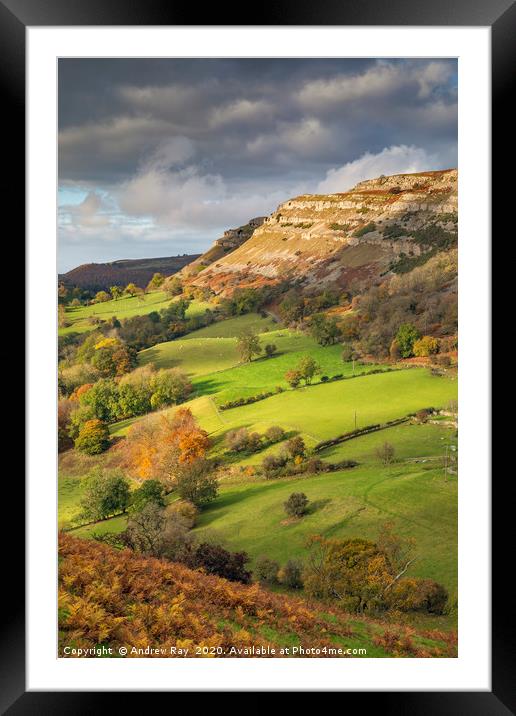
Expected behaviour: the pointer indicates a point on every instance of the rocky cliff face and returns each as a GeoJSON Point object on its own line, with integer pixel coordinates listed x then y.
{"type": "Point", "coordinates": [229, 241]}
{"type": "Point", "coordinates": [338, 238]}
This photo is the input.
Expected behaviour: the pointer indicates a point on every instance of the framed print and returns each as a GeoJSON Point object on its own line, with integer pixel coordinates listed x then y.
{"type": "Point", "coordinates": [258, 289]}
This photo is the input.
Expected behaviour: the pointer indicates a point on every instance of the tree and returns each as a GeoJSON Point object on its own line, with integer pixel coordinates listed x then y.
{"type": "Point", "coordinates": [291, 575]}
{"type": "Point", "coordinates": [145, 529]}
{"type": "Point", "coordinates": [270, 349]}
{"type": "Point", "coordinates": [273, 464]}
{"type": "Point", "coordinates": [132, 289]}
{"type": "Point", "coordinates": [64, 411]}
{"type": "Point", "coordinates": [295, 446]}
{"type": "Point", "coordinates": [103, 399]}
{"type": "Point", "coordinates": [348, 353]}
{"type": "Point", "coordinates": [102, 297]}
{"type": "Point", "coordinates": [238, 440]}
{"type": "Point", "coordinates": [197, 482]}
{"type": "Point", "coordinates": [426, 346]}
{"type": "Point", "coordinates": [116, 292]}
{"type": "Point", "coordinates": [325, 330]}
{"type": "Point", "coordinates": [62, 319]}
{"type": "Point", "coordinates": [274, 434]}
{"type": "Point", "coordinates": [266, 570]}
{"type": "Point", "coordinates": [186, 510]}
{"type": "Point", "coordinates": [394, 350]}
{"type": "Point", "coordinates": [248, 345]}
{"type": "Point", "coordinates": [106, 493]}
{"type": "Point", "coordinates": [293, 377]}
{"type": "Point", "coordinates": [353, 571]}
{"type": "Point", "coordinates": [156, 281]}
{"type": "Point", "coordinates": [159, 445]}
{"type": "Point", "coordinates": [93, 437]}
{"type": "Point", "coordinates": [112, 357]}
{"type": "Point", "coordinates": [173, 286]}
{"type": "Point", "coordinates": [169, 387]}
{"type": "Point", "coordinates": [385, 453]}
{"type": "Point", "coordinates": [149, 491]}
{"type": "Point", "coordinates": [307, 368]}
{"type": "Point", "coordinates": [406, 336]}
{"type": "Point", "coordinates": [296, 504]}
{"type": "Point", "coordinates": [214, 559]}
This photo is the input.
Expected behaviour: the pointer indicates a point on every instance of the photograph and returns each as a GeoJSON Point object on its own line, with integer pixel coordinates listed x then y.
{"type": "Point", "coordinates": [257, 360]}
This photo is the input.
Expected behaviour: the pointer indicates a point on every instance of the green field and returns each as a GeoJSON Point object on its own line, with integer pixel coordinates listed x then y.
{"type": "Point", "coordinates": [125, 307]}
{"type": "Point", "coordinates": [414, 493]}
{"type": "Point", "coordinates": [209, 356]}
{"type": "Point", "coordinates": [207, 350]}
{"type": "Point", "coordinates": [416, 498]}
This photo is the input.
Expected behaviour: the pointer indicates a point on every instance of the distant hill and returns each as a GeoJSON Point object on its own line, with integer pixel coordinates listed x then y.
{"type": "Point", "coordinates": [97, 277]}
{"type": "Point", "coordinates": [391, 223]}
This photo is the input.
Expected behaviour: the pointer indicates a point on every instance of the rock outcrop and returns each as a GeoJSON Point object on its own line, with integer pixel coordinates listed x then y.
{"type": "Point", "coordinates": [337, 238]}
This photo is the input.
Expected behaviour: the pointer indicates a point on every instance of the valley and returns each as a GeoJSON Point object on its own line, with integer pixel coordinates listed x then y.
{"type": "Point", "coordinates": [313, 354]}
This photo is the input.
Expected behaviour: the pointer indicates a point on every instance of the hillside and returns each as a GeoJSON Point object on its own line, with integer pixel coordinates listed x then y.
{"type": "Point", "coordinates": [98, 277]}
{"type": "Point", "coordinates": [339, 239]}
{"type": "Point", "coordinates": [228, 242]}
{"type": "Point", "coordinates": [112, 600]}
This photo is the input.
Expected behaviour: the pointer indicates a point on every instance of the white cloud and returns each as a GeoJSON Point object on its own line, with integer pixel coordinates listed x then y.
{"type": "Point", "coordinates": [391, 160]}
{"type": "Point", "coordinates": [90, 213]}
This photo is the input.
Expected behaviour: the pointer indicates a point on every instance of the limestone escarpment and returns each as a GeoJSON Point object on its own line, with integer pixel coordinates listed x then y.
{"type": "Point", "coordinates": [336, 238]}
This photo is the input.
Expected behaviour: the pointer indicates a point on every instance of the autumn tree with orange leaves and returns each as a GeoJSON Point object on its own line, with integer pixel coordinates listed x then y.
{"type": "Point", "coordinates": [159, 445]}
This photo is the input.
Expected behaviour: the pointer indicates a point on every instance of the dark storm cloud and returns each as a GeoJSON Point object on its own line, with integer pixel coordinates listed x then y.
{"type": "Point", "coordinates": [192, 144]}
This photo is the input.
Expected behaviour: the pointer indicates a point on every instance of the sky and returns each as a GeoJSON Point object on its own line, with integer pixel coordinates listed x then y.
{"type": "Point", "coordinates": [158, 157]}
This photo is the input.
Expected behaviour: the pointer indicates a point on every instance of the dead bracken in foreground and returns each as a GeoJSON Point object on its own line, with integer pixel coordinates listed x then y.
{"type": "Point", "coordinates": [110, 599]}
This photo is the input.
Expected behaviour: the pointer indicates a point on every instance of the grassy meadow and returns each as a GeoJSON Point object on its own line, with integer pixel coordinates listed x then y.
{"type": "Point", "coordinates": [125, 307]}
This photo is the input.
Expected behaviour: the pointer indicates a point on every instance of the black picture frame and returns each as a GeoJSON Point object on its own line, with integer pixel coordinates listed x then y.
{"type": "Point", "coordinates": [500, 16]}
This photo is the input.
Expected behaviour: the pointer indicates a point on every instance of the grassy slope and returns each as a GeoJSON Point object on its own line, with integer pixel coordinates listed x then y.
{"type": "Point", "coordinates": [414, 495]}
{"type": "Point", "coordinates": [186, 608]}
{"type": "Point", "coordinates": [209, 349]}
{"type": "Point", "coordinates": [126, 307]}
{"type": "Point", "coordinates": [248, 514]}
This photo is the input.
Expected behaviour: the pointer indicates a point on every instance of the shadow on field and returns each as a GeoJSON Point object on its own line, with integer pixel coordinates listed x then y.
{"type": "Point", "coordinates": [317, 505]}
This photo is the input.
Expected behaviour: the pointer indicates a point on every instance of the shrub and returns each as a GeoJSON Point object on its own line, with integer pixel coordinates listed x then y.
{"type": "Point", "coordinates": [406, 336]}
{"type": "Point", "coordinates": [315, 465]}
{"type": "Point", "coordinates": [324, 378]}
{"type": "Point", "coordinates": [196, 481]}
{"type": "Point", "coordinates": [266, 570]}
{"type": "Point", "coordinates": [422, 595]}
{"type": "Point", "coordinates": [214, 559]}
{"type": "Point", "coordinates": [93, 437]}
{"type": "Point", "coordinates": [186, 510]}
{"type": "Point", "coordinates": [237, 440]}
{"type": "Point", "coordinates": [106, 493]}
{"type": "Point", "coordinates": [442, 360]}
{"type": "Point", "coordinates": [296, 504]}
{"type": "Point", "coordinates": [274, 434]}
{"type": "Point", "coordinates": [149, 491]}
{"type": "Point", "coordinates": [273, 464]}
{"type": "Point", "coordinates": [426, 346]}
{"type": "Point", "coordinates": [295, 446]}
{"type": "Point", "coordinates": [365, 229]}
{"type": "Point", "coordinates": [293, 378]}
{"type": "Point", "coordinates": [291, 575]}
{"type": "Point", "coordinates": [270, 350]}
{"type": "Point", "coordinates": [385, 453]}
